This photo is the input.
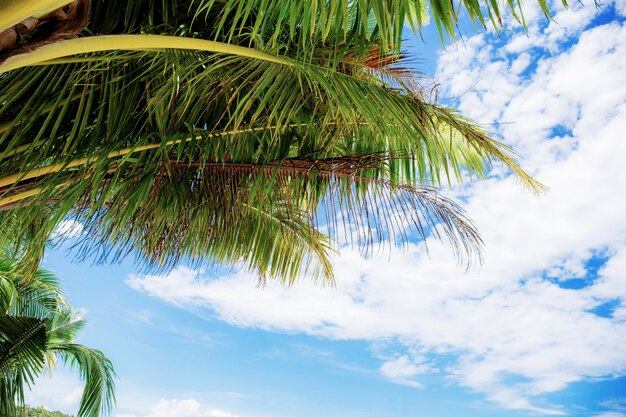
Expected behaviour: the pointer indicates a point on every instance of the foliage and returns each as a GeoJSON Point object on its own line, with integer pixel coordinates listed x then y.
{"type": "Point", "coordinates": [234, 131]}
{"type": "Point", "coordinates": [38, 328]}
{"type": "Point", "coordinates": [40, 412]}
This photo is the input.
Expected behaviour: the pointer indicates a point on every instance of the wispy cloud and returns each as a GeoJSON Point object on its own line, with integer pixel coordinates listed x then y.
{"type": "Point", "coordinates": [59, 392]}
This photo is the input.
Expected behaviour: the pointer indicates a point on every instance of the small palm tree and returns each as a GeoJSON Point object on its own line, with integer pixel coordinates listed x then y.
{"type": "Point", "coordinates": [231, 130]}
{"type": "Point", "coordinates": [37, 328]}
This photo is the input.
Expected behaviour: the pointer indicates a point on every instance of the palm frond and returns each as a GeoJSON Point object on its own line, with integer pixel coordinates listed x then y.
{"type": "Point", "coordinates": [40, 327]}
{"type": "Point", "coordinates": [425, 130]}
{"type": "Point", "coordinates": [15, 11]}
{"type": "Point", "coordinates": [318, 113]}
{"type": "Point", "coordinates": [23, 342]}
{"type": "Point", "coordinates": [8, 294]}
{"type": "Point", "coordinates": [96, 371]}
{"type": "Point", "coordinates": [310, 24]}
{"type": "Point", "coordinates": [261, 215]}
{"type": "Point", "coordinates": [23, 240]}
{"type": "Point", "coordinates": [233, 99]}
{"type": "Point", "coordinates": [38, 296]}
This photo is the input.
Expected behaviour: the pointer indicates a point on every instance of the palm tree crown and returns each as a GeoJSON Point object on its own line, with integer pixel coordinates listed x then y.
{"type": "Point", "coordinates": [232, 130]}
{"type": "Point", "coordinates": [37, 328]}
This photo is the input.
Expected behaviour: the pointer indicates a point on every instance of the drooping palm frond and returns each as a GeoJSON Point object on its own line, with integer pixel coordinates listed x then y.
{"type": "Point", "coordinates": [8, 294]}
{"type": "Point", "coordinates": [23, 343]}
{"type": "Point", "coordinates": [37, 326]}
{"type": "Point", "coordinates": [223, 93]}
{"type": "Point", "coordinates": [97, 372]}
{"type": "Point", "coordinates": [336, 115]}
{"type": "Point", "coordinates": [100, 128]}
{"type": "Point", "coordinates": [262, 215]}
{"type": "Point", "coordinates": [94, 368]}
{"type": "Point", "coordinates": [24, 239]}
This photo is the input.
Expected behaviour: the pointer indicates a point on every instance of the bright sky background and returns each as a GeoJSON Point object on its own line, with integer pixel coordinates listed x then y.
{"type": "Point", "coordinates": [540, 329]}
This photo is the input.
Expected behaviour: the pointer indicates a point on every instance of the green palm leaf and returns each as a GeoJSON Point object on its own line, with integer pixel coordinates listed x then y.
{"type": "Point", "coordinates": [23, 343]}
{"type": "Point", "coordinates": [40, 327]}
{"type": "Point", "coordinates": [101, 128]}
{"type": "Point", "coordinates": [93, 367]}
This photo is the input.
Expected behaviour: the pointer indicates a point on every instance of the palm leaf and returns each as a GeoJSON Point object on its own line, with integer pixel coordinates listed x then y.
{"type": "Point", "coordinates": [260, 215]}
{"type": "Point", "coordinates": [347, 124]}
{"type": "Point", "coordinates": [37, 296]}
{"type": "Point", "coordinates": [94, 368]}
{"type": "Point", "coordinates": [15, 11]}
{"type": "Point", "coordinates": [101, 127]}
{"type": "Point", "coordinates": [42, 327]}
{"type": "Point", "coordinates": [23, 343]}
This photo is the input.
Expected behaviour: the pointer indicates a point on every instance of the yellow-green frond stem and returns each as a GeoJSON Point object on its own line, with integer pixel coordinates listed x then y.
{"type": "Point", "coordinates": [13, 12]}
{"type": "Point", "coordinates": [49, 53]}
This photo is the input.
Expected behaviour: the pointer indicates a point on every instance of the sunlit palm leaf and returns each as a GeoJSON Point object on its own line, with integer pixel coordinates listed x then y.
{"type": "Point", "coordinates": [23, 343]}
{"type": "Point", "coordinates": [94, 368]}
{"type": "Point", "coordinates": [38, 296]}
{"type": "Point", "coordinates": [101, 130]}
{"type": "Point", "coordinates": [41, 327]}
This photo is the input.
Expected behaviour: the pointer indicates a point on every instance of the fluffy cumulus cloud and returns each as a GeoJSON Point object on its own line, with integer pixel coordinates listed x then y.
{"type": "Point", "coordinates": [182, 408]}
{"type": "Point", "coordinates": [548, 307]}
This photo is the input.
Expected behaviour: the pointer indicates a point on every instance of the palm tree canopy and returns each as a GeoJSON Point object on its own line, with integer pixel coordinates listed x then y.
{"type": "Point", "coordinates": [231, 131]}
{"type": "Point", "coordinates": [38, 327]}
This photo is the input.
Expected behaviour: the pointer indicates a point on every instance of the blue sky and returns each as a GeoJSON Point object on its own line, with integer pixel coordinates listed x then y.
{"type": "Point", "coordinates": [539, 329]}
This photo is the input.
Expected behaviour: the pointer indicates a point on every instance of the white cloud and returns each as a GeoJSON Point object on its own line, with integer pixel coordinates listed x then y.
{"type": "Point", "coordinates": [175, 408]}
{"type": "Point", "coordinates": [59, 391]}
{"type": "Point", "coordinates": [67, 229]}
{"type": "Point", "coordinates": [185, 408]}
{"type": "Point", "coordinates": [402, 370]}
{"type": "Point", "coordinates": [515, 335]}
{"type": "Point", "coordinates": [71, 398]}
{"type": "Point", "coordinates": [220, 413]}
{"type": "Point", "coordinates": [62, 391]}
